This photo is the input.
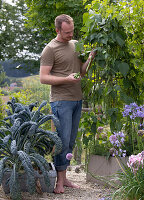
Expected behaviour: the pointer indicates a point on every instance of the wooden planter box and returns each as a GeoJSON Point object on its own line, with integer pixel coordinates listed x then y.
{"type": "Point", "coordinates": [101, 170]}
{"type": "Point", "coordinates": [22, 178]}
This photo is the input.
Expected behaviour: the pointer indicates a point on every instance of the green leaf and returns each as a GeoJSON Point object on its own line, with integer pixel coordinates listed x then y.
{"type": "Point", "coordinates": [126, 99]}
{"type": "Point", "coordinates": [86, 20]}
{"type": "Point", "coordinates": [79, 46]}
{"type": "Point", "coordinates": [119, 39]}
{"type": "Point", "coordinates": [93, 36]}
{"type": "Point", "coordinates": [123, 68]}
{"type": "Point", "coordinates": [98, 18]}
{"type": "Point", "coordinates": [96, 5]}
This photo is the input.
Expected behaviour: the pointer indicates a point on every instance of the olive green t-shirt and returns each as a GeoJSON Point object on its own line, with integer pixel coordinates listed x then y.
{"type": "Point", "coordinates": [64, 60]}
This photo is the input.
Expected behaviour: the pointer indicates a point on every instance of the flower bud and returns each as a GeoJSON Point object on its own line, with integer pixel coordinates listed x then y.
{"type": "Point", "coordinates": [69, 156]}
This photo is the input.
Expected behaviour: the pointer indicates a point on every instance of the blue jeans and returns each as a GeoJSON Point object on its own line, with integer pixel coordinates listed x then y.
{"type": "Point", "coordinates": [68, 113]}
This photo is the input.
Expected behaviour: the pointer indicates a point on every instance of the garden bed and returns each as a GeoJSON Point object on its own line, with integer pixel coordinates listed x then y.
{"type": "Point", "coordinates": [101, 169]}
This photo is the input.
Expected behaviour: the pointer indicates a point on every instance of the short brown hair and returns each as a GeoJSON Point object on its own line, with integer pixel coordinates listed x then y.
{"type": "Point", "coordinates": [62, 18]}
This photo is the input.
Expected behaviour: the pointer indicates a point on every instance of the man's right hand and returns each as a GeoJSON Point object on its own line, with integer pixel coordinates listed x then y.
{"type": "Point", "coordinates": [71, 78]}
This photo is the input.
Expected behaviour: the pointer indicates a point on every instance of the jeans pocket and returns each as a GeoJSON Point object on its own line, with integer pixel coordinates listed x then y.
{"type": "Point", "coordinates": [54, 107]}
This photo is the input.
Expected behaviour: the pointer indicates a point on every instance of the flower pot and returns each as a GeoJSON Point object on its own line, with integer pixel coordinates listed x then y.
{"type": "Point", "coordinates": [23, 179]}
{"type": "Point", "coordinates": [101, 170]}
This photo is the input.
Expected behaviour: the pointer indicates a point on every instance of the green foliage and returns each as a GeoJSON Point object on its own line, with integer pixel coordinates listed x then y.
{"type": "Point", "coordinates": [23, 143]}
{"type": "Point", "coordinates": [39, 92]}
{"type": "Point", "coordinates": [41, 15]}
{"type": "Point", "coordinates": [3, 77]}
{"type": "Point", "coordinates": [130, 184]}
{"type": "Point", "coordinates": [2, 107]}
{"type": "Point", "coordinates": [131, 15]}
{"type": "Point", "coordinates": [1, 111]}
{"type": "Point", "coordinates": [18, 42]}
{"type": "Point", "coordinates": [114, 79]}
{"type": "Point", "coordinates": [33, 91]}
{"type": "Point", "coordinates": [96, 142]}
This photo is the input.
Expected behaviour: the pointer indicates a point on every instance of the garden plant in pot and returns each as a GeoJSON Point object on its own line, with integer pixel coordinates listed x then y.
{"type": "Point", "coordinates": [23, 145]}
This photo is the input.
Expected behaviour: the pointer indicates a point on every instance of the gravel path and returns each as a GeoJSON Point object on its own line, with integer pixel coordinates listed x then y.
{"type": "Point", "coordinates": [87, 191]}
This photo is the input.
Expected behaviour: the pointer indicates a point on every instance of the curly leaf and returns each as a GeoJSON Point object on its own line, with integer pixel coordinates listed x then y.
{"type": "Point", "coordinates": [54, 137]}
{"type": "Point", "coordinates": [15, 126]}
{"type": "Point", "coordinates": [42, 160]}
{"type": "Point", "coordinates": [26, 160]}
{"type": "Point", "coordinates": [4, 131]}
{"type": "Point", "coordinates": [27, 147]}
{"type": "Point", "coordinates": [6, 139]}
{"type": "Point", "coordinates": [32, 105]}
{"type": "Point", "coordinates": [35, 158]}
{"type": "Point", "coordinates": [35, 116]}
{"type": "Point", "coordinates": [8, 112]}
{"type": "Point", "coordinates": [12, 105]}
{"type": "Point", "coordinates": [5, 124]}
{"type": "Point", "coordinates": [11, 118]}
{"type": "Point", "coordinates": [14, 185]}
{"type": "Point", "coordinates": [24, 115]}
{"type": "Point", "coordinates": [42, 105]}
{"type": "Point", "coordinates": [2, 163]}
{"type": "Point", "coordinates": [13, 147]}
{"type": "Point", "coordinates": [18, 107]}
{"type": "Point", "coordinates": [32, 129]}
{"type": "Point", "coordinates": [48, 117]}
{"type": "Point", "coordinates": [24, 125]}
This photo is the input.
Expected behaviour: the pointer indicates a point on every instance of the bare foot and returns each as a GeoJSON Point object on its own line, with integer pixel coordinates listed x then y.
{"type": "Point", "coordinates": [67, 183]}
{"type": "Point", "coordinates": [59, 188]}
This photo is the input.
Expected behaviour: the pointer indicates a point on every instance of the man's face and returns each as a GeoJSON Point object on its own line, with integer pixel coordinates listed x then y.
{"type": "Point", "coordinates": [66, 32]}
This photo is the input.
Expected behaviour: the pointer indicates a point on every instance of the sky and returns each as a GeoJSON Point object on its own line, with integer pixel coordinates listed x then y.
{"type": "Point", "coordinates": [8, 1]}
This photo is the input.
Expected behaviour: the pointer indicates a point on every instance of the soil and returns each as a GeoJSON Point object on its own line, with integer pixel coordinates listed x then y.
{"type": "Point", "coordinates": [87, 191]}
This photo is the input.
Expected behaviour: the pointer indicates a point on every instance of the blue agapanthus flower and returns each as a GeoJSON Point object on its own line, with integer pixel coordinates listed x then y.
{"type": "Point", "coordinates": [133, 111]}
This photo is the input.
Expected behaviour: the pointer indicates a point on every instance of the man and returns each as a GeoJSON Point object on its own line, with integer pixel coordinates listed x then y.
{"type": "Point", "coordinates": [58, 66]}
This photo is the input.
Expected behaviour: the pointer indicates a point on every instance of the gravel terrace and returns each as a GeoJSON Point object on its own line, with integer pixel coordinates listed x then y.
{"type": "Point", "coordinates": [87, 191]}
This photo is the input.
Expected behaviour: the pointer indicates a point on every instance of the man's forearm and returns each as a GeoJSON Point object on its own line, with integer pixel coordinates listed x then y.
{"type": "Point", "coordinates": [53, 80]}
{"type": "Point", "coordinates": [56, 80]}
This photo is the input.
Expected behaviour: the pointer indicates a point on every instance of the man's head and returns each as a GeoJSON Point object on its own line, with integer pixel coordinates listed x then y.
{"type": "Point", "coordinates": [64, 27]}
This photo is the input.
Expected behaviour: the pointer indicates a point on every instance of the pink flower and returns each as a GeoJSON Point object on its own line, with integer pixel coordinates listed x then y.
{"type": "Point", "coordinates": [135, 161]}
{"type": "Point", "coordinates": [69, 156]}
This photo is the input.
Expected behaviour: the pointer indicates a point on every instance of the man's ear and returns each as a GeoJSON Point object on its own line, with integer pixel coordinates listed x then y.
{"type": "Point", "coordinates": [57, 30]}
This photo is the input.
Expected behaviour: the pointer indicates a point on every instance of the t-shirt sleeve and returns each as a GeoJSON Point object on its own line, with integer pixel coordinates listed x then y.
{"type": "Point", "coordinates": [47, 57]}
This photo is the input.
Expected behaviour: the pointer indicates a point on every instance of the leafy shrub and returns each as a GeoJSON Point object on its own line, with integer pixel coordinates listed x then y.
{"type": "Point", "coordinates": [4, 92]}
{"type": "Point", "coordinates": [24, 144]}
{"type": "Point", "coordinates": [39, 91]}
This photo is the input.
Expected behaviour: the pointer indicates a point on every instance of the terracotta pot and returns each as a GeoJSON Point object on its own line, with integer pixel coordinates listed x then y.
{"type": "Point", "coordinates": [23, 179]}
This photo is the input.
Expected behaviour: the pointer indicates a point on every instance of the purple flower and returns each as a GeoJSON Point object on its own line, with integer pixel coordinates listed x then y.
{"type": "Point", "coordinates": [123, 154]}
{"type": "Point", "coordinates": [140, 113]}
{"type": "Point", "coordinates": [121, 134]}
{"type": "Point", "coordinates": [133, 111]}
{"type": "Point", "coordinates": [117, 140]}
{"type": "Point", "coordinates": [99, 129]}
{"type": "Point", "coordinates": [122, 140]}
{"type": "Point", "coordinates": [69, 156]}
{"type": "Point", "coordinates": [113, 139]}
